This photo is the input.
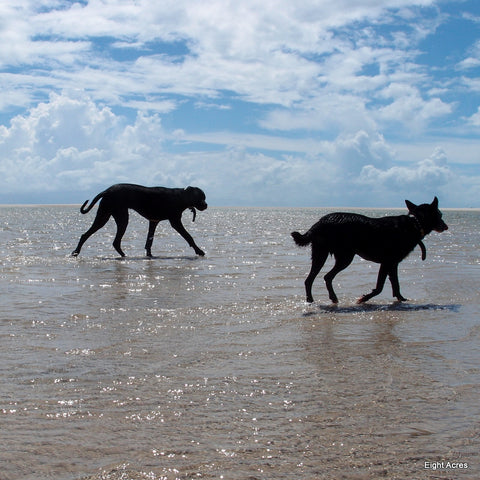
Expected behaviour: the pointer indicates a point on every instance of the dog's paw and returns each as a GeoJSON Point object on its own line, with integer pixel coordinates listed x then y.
{"type": "Point", "coordinates": [362, 299]}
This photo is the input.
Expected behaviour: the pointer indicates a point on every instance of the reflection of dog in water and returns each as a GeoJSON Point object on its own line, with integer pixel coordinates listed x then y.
{"type": "Point", "coordinates": [386, 241]}
{"type": "Point", "coordinates": [153, 203]}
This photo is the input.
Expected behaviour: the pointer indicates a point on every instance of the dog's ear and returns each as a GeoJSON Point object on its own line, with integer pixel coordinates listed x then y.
{"type": "Point", "coordinates": [435, 203]}
{"type": "Point", "coordinates": [191, 192]}
{"type": "Point", "coordinates": [411, 206]}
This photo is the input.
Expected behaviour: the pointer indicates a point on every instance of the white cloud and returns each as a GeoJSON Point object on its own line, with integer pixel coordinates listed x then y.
{"type": "Point", "coordinates": [352, 152]}
{"type": "Point", "coordinates": [62, 144]}
{"type": "Point", "coordinates": [475, 118]}
{"type": "Point", "coordinates": [428, 177]}
{"type": "Point", "coordinates": [329, 114]}
{"type": "Point", "coordinates": [473, 84]}
{"type": "Point", "coordinates": [261, 51]}
{"type": "Point", "coordinates": [408, 109]}
{"type": "Point", "coordinates": [473, 60]}
{"type": "Point", "coordinates": [70, 144]}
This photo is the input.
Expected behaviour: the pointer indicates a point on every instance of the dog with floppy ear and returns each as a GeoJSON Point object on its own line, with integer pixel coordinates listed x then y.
{"type": "Point", "coordinates": [153, 203]}
{"type": "Point", "coordinates": [387, 241]}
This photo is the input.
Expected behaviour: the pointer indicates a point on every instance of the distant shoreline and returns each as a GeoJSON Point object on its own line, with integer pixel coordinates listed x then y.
{"type": "Point", "coordinates": [444, 209]}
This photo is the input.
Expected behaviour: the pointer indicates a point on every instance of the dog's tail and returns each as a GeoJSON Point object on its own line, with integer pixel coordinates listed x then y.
{"type": "Point", "coordinates": [94, 201]}
{"type": "Point", "coordinates": [301, 240]}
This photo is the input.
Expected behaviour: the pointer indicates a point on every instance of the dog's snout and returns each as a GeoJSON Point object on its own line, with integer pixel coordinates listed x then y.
{"type": "Point", "coordinates": [441, 227]}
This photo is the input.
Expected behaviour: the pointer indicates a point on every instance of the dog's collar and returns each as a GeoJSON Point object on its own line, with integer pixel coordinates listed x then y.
{"type": "Point", "coordinates": [419, 225]}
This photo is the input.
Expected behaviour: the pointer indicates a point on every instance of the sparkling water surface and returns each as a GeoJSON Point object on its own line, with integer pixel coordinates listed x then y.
{"type": "Point", "coordinates": [182, 367]}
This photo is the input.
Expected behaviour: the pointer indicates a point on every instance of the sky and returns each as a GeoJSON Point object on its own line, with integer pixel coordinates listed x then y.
{"type": "Point", "coordinates": [271, 103]}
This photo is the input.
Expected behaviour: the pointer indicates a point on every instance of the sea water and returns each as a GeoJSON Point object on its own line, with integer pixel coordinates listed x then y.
{"type": "Point", "coordinates": [183, 367]}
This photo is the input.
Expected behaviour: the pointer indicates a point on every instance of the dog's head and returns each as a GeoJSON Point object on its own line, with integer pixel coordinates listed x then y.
{"type": "Point", "coordinates": [196, 198]}
{"type": "Point", "coordinates": [428, 215]}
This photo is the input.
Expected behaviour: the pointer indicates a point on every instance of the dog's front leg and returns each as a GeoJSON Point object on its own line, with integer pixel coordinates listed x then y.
{"type": "Point", "coordinates": [151, 232]}
{"type": "Point", "coordinates": [393, 276]}
{"type": "Point", "coordinates": [178, 226]}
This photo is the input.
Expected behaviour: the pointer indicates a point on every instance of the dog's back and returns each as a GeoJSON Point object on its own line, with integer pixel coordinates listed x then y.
{"type": "Point", "coordinates": [382, 239]}
{"type": "Point", "coordinates": [158, 203]}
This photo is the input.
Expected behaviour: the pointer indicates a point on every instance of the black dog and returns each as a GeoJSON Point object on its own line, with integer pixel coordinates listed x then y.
{"type": "Point", "coordinates": [153, 203]}
{"type": "Point", "coordinates": [386, 241]}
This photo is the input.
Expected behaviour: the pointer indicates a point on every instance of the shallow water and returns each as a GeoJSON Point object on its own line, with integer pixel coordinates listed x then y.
{"type": "Point", "coordinates": [181, 367]}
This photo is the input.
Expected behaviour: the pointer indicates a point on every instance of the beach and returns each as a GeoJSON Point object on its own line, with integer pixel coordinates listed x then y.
{"type": "Point", "coordinates": [182, 367]}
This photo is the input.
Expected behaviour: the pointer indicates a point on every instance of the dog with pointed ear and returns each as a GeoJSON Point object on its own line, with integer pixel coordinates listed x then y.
{"type": "Point", "coordinates": [386, 240]}
{"type": "Point", "coordinates": [427, 216]}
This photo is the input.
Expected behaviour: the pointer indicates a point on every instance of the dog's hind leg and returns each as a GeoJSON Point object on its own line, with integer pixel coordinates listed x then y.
{"type": "Point", "coordinates": [382, 276]}
{"type": "Point", "coordinates": [318, 260]}
{"type": "Point", "coordinates": [151, 232]}
{"type": "Point", "coordinates": [121, 219]}
{"type": "Point", "coordinates": [100, 220]}
{"type": "Point", "coordinates": [342, 261]}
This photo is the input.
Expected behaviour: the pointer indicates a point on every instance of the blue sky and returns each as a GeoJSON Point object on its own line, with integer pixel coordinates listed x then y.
{"type": "Point", "coordinates": [345, 103]}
